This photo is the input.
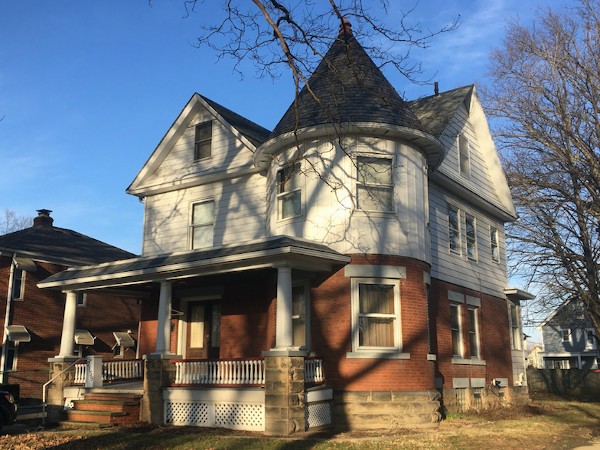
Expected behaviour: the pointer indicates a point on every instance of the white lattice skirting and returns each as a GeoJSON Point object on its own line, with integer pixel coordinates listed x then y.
{"type": "Point", "coordinates": [238, 409]}
{"type": "Point", "coordinates": [318, 407]}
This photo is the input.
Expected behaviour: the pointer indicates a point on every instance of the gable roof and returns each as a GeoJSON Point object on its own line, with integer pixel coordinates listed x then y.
{"type": "Point", "coordinates": [249, 133]}
{"type": "Point", "coordinates": [60, 245]}
{"type": "Point", "coordinates": [436, 111]}
{"type": "Point", "coordinates": [349, 88]}
{"type": "Point", "coordinates": [255, 133]}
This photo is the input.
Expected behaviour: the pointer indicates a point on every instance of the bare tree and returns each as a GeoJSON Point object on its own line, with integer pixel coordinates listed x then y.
{"type": "Point", "coordinates": [545, 92]}
{"type": "Point", "coordinates": [10, 222]}
{"type": "Point", "coordinates": [291, 35]}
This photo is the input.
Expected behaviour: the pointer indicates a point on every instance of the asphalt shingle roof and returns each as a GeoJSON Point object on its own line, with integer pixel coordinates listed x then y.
{"type": "Point", "coordinates": [435, 111]}
{"type": "Point", "coordinates": [61, 245]}
{"type": "Point", "coordinates": [349, 88]}
{"type": "Point", "coordinates": [255, 133]}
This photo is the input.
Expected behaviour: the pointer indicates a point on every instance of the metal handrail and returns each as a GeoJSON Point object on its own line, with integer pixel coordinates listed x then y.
{"type": "Point", "coordinates": [46, 385]}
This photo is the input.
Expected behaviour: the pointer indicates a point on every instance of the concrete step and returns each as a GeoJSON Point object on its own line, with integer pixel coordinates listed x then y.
{"type": "Point", "coordinates": [71, 424]}
{"type": "Point", "coordinates": [95, 416]}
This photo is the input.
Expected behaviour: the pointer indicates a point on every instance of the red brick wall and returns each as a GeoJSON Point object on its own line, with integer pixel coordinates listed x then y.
{"type": "Point", "coordinates": [493, 333]}
{"type": "Point", "coordinates": [331, 330]}
{"type": "Point", "coordinates": [41, 312]}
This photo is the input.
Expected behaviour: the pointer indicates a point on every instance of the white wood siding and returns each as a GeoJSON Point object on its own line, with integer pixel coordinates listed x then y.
{"type": "Point", "coordinates": [227, 153]}
{"type": "Point", "coordinates": [482, 274]}
{"type": "Point", "coordinates": [480, 179]}
{"type": "Point", "coordinates": [329, 215]}
{"type": "Point", "coordinates": [240, 211]}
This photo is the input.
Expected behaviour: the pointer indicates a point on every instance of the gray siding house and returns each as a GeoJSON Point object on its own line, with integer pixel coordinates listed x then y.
{"type": "Point", "coordinates": [568, 338]}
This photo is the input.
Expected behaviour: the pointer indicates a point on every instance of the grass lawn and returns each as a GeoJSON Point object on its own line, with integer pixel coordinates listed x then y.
{"type": "Point", "coordinates": [541, 425]}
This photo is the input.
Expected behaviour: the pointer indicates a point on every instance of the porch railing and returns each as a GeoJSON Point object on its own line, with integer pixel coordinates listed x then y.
{"type": "Point", "coordinates": [220, 372]}
{"type": "Point", "coordinates": [236, 371]}
{"type": "Point", "coordinates": [313, 371]}
{"type": "Point", "coordinates": [113, 371]}
{"type": "Point", "coordinates": [132, 369]}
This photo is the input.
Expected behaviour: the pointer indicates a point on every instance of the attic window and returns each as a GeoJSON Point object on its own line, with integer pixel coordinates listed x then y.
{"type": "Point", "coordinates": [464, 156]}
{"type": "Point", "coordinates": [203, 141]}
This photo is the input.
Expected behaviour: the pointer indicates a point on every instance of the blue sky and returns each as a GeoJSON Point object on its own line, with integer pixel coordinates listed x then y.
{"type": "Point", "coordinates": [88, 88]}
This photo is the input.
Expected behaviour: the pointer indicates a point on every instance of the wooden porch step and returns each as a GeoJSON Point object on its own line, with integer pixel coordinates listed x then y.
{"type": "Point", "coordinates": [111, 396]}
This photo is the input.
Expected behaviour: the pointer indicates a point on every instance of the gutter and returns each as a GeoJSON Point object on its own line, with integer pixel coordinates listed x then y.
{"type": "Point", "coordinates": [9, 299]}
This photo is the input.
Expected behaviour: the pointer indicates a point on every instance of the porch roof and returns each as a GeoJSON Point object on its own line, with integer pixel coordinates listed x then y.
{"type": "Point", "coordinates": [265, 253]}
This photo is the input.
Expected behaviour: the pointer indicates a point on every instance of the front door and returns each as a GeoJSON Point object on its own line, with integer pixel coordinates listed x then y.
{"type": "Point", "coordinates": [203, 330]}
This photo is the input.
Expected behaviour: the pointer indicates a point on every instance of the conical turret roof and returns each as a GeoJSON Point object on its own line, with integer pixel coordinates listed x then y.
{"type": "Point", "coordinates": [347, 87]}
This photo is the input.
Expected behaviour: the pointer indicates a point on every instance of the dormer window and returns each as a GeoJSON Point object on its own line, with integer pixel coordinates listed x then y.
{"type": "Point", "coordinates": [464, 156]}
{"type": "Point", "coordinates": [203, 141]}
{"type": "Point", "coordinates": [289, 192]}
{"type": "Point", "coordinates": [374, 184]}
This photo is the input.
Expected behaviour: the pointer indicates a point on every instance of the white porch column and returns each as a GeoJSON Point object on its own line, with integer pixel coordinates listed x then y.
{"type": "Point", "coordinates": [163, 334]}
{"type": "Point", "coordinates": [283, 328]}
{"type": "Point", "coordinates": [67, 340]}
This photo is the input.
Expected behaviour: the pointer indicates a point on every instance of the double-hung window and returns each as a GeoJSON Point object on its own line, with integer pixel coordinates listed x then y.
{"type": "Point", "coordinates": [590, 339]}
{"type": "Point", "coordinates": [375, 186]}
{"type": "Point", "coordinates": [515, 326]}
{"type": "Point", "coordinates": [203, 223]}
{"type": "Point", "coordinates": [494, 244]}
{"type": "Point", "coordinates": [473, 333]}
{"type": "Point", "coordinates": [471, 232]}
{"type": "Point", "coordinates": [289, 192]}
{"type": "Point", "coordinates": [455, 329]}
{"type": "Point", "coordinates": [18, 286]}
{"type": "Point", "coordinates": [565, 335]}
{"type": "Point", "coordinates": [464, 156]}
{"type": "Point", "coordinates": [376, 314]}
{"type": "Point", "coordinates": [300, 315]}
{"type": "Point", "coordinates": [454, 228]}
{"type": "Point", "coordinates": [203, 140]}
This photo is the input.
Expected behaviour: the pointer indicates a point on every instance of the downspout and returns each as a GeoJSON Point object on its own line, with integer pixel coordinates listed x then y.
{"type": "Point", "coordinates": [9, 299]}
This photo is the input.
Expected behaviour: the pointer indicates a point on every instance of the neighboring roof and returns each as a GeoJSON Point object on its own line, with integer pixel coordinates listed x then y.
{"type": "Point", "coordinates": [49, 243]}
{"type": "Point", "coordinates": [350, 88]}
{"type": "Point", "coordinates": [251, 131]}
{"type": "Point", "coordinates": [436, 111]}
{"type": "Point", "coordinates": [263, 253]}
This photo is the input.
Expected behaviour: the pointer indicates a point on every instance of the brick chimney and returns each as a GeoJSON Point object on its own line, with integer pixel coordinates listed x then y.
{"type": "Point", "coordinates": [43, 219]}
{"type": "Point", "coordinates": [345, 27]}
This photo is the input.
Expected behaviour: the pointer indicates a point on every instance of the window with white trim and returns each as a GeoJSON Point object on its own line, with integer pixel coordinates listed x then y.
{"type": "Point", "coordinates": [375, 314]}
{"type": "Point", "coordinates": [18, 287]}
{"type": "Point", "coordinates": [374, 184]}
{"type": "Point", "coordinates": [494, 244]}
{"type": "Point", "coordinates": [300, 325]}
{"type": "Point", "coordinates": [289, 192]}
{"type": "Point", "coordinates": [590, 339]}
{"type": "Point", "coordinates": [464, 156]}
{"type": "Point", "coordinates": [202, 224]}
{"type": "Point", "coordinates": [81, 298]}
{"type": "Point", "coordinates": [565, 335]}
{"type": "Point", "coordinates": [473, 332]}
{"type": "Point", "coordinates": [203, 140]}
{"type": "Point", "coordinates": [456, 330]}
{"type": "Point", "coordinates": [454, 228]}
{"type": "Point", "coordinates": [471, 232]}
{"type": "Point", "coordinates": [515, 326]}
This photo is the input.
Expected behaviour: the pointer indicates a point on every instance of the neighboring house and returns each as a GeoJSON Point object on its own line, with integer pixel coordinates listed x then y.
{"type": "Point", "coordinates": [362, 238]}
{"type": "Point", "coordinates": [534, 356]}
{"type": "Point", "coordinates": [33, 317]}
{"type": "Point", "coordinates": [569, 339]}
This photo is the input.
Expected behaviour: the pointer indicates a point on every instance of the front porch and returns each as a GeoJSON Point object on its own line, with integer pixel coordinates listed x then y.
{"type": "Point", "coordinates": [235, 393]}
